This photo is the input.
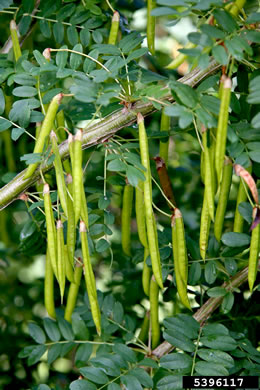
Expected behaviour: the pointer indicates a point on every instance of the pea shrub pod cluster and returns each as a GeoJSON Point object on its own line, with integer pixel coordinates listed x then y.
{"type": "Point", "coordinates": [72, 206]}
{"type": "Point", "coordinates": [149, 215]}
{"type": "Point", "coordinates": [180, 257]}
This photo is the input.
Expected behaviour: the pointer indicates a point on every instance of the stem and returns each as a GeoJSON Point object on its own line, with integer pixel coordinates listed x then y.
{"type": "Point", "coordinates": [99, 132]}
{"type": "Point", "coordinates": [208, 308]}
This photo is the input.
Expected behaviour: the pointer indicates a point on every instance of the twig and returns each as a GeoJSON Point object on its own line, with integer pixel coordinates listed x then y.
{"type": "Point", "coordinates": [99, 132]}
{"type": "Point", "coordinates": [9, 44]}
{"type": "Point", "coordinates": [208, 308]}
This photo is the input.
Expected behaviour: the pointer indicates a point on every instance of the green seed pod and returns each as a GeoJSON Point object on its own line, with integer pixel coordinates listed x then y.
{"type": "Point", "coordinates": [126, 219]}
{"type": "Point", "coordinates": [46, 128]}
{"type": "Point", "coordinates": [73, 292]}
{"type": "Point", "coordinates": [49, 288]}
{"type": "Point", "coordinates": [150, 221]}
{"type": "Point", "coordinates": [114, 29]}
{"type": "Point", "coordinates": [90, 279]}
{"type": "Point", "coordinates": [15, 40]}
{"type": "Point", "coordinates": [223, 198]}
{"type": "Point", "coordinates": [154, 312]}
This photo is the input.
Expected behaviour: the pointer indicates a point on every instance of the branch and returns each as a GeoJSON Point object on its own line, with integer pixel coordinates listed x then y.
{"type": "Point", "coordinates": [208, 308]}
{"type": "Point", "coordinates": [100, 132]}
{"type": "Point", "coordinates": [9, 43]}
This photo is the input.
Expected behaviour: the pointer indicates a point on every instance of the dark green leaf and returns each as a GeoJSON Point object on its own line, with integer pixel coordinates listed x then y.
{"type": "Point", "coordinates": [254, 91]}
{"type": "Point", "coordinates": [25, 91]}
{"type": "Point", "coordinates": [179, 340]}
{"type": "Point", "coordinates": [45, 28]}
{"type": "Point", "coordinates": [76, 59]}
{"type": "Point", "coordinates": [210, 369]}
{"type": "Point", "coordinates": [85, 37]}
{"type": "Point", "coordinates": [81, 384]}
{"type": "Point", "coordinates": [134, 175]}
{"type": "Point", "coordinates": [215, 356]}
{"type": "Point", "coordinates": [184, 324]}
{"type": "Point", "coordinates": [97, 36]}
{"type": "Point", "coordinates": [125, 352]}
{"type": "Point", "coordinates": [94, 374]}
{"type": "Point", "coordinates": [102, 245]}
{"type": "Point", "coordinates": [210, 272]}
{"type": "Point", "coordinates": [66, 12]}
{"type": "Point", "coordinates": [227, 302]}
{"type": "Point", "coordinates": [5, 4]}
{"type": "Point", "coordinates": [4, 124]}
{"type": "Point", "coordinates": [116, 166]}
{"type": "Point", "coordinates": [72, 35]}
{"type": "Point", "coordinates": [31, 158]}
{"type": "Point", "coordinates": [58, 32]}
{"type": "Point", "coordinates": [24, 79]}
{"type": "Point", "coordinates": [130, 42]}
{"type": "Point", "coordinates": [131, 382]}
{"type": "Point", "coordinates": [220, 54]}
{"type": "Point", "coordinates": [16, 133]}
{"type": "Point", "coordinates": [2, 101]}
{"type": "Point", "coordinates": [185, 93]}
{"type": "Point", "coordinates": [170, 382]}
{"type": "Point", "coordinates": [61, 57]}
{"type": "Point", "coordinates": [222, 342]}
{"type": "Point", "coordinates": [225, 20]}
{"type": "Point", "coordinates": [233, 240]}
{"type": "Point", "coordinates": [216, 292]}
{"type": "Point", "coordinates": [66, 329]}
{"type": "Point", "coordinates": [36, 354]}
{"type": "Point", "coordinates": [25, 24]}
{"type": "Point", "coordinates": [51, 329]}
{"type": "Point", "coordinates": [255, 154]}
{"type": "Point", "coordinates": [107, 364]}
{"type": "Point", "coordinates": [54, 352]}
{"type": "Point", "coordinates": [36, 333]}
{"type": "Point", "coordinates": [83, 353]}
{"type": "Point", "coordinates": [176, 361]}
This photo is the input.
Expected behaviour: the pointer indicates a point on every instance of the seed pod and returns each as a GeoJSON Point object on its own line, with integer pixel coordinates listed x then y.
{"type": "Point", "coordinates": [181, 57]}
{"type": "Point", "coordinates": [150, 221]}
{"type": "Point", "coordinates": [143, 335]}
{"type": "Point", "coordinates": [242, 172]}
{"type": "Point", "coordinates": [73, 292]}
{"type": "Point", "coordinates": [84, 207]}
{"type": "Point", "coordinates": [62, 192]}
{"type": "Point", "coordinates": [223, 198]}
{"type": "Point", "coordinates": [165, 181]}
{"type": "Point", "coordinates": [90, 279]}
{"type": "Point", "coordinates": [178, 263]}
{"type": "Point", "coordinates": [254, 253]}
{"type": "Point", "coordinates": [69, 271]}
{"type": "Point", "coordinates": [241, 197]}
{"type": "Point", "coordinates": [222, 127]}
{"type": "Point", "coordinates": [209, 178]}
{"type": "Point", "coordinates": [46, 128]}
{"type": "Point", "coordinates": [146, 276]}
{"type": "Point", "coordinates": [49, 288]}
{"type": "Point", "coordinates": [204, 228]}
{"type": "Point", "coordinates": [50, 227]}
{"type": "Point", "coordinates": [62, 136]}
{"type": "Point", "coordinates": [15, 40]}
{"type": "Point", "coordinates": [140, 213]}
{"type": "Point", "coordinates": [114, 29]}
{"type": "Point", "coordinates": [164, 145]}
{"type": "Point", "coordinates": [77, 174]}
{"type": "Point", "coordinates": [154, 314]}
{"type": "Point", "coordinates": [71, 228]}
{"type": "Point", "coordinates": [61, 259]}
{"type": "Point", "coordinates": [126, 219]}
{"type": "Point", "coordinates": [150, 26]}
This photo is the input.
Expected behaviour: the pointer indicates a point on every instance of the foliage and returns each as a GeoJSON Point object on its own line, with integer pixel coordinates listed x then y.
{"type": "Point", "coordinates": [65, 50]}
